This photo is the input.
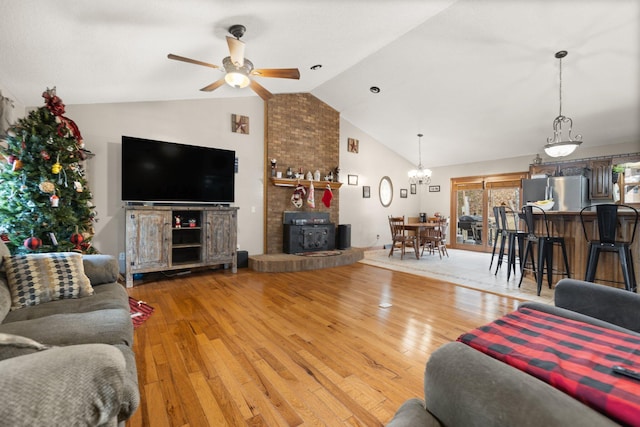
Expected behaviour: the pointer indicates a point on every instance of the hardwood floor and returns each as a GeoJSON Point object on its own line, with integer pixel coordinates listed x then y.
{"type": "Point", "coordinates": [289, 349]}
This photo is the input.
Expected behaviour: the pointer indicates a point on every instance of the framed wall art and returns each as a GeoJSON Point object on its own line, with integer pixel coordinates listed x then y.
{"type": "Point", "coordinates": [434, 188]}
{"type": "Point", "coordinates": [240, 124]}
{"type": "Point", "coordinates": [403, 193]}
{"type": "Point", "coordinates": [352, 179]}
{"type": "Point", "coordinates": [352, 145]}
{"type": "Point", "coordinates": [414, 189]}
{"type": "Point", "coordinates": [366, 191]}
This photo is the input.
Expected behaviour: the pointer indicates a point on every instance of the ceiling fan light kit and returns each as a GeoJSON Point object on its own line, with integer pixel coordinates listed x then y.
{"type": "Point", "coordinates": [555, 146]}
{"type": "Point", "coordinates": [237, 76]}
{"type": "Point", "coordinates": [238, 69]}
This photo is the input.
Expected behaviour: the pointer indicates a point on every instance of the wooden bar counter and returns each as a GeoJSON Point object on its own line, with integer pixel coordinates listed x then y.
{"type": "Point", "coordinates": [569, 226]}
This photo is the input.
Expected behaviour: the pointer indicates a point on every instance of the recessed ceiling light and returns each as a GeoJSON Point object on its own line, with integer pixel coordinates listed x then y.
{"type": "Point", "coordinates": [374, 89]}
{"type": "Point", "coordinates": [316, 67]}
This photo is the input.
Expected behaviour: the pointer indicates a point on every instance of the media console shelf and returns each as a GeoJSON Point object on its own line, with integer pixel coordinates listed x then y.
{"type": "Point", "coordinates": [160, 238]}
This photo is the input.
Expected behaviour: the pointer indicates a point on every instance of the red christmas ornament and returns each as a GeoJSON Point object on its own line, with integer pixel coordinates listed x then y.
{"type": "Point", "coordinates": [76, 239]}
{"type": "Point", "coordinates": [32, 243]}
{"type": "Point", "coordinates": [45, 155]}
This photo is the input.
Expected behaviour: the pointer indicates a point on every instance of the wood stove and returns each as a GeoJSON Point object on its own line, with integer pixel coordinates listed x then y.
{"type": "Point", "coordinates": [308, 232]}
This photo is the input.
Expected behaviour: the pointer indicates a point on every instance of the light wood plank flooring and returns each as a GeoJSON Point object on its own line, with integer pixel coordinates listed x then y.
{"type": "Point", "coordinates": [289, 349]}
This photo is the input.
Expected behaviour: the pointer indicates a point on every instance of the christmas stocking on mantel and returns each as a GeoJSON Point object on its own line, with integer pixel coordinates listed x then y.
{"type": "Point", "coordinates": [327, 196]}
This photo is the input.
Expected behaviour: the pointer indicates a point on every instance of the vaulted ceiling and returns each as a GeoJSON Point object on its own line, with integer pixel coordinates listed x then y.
{"type": "Point", "coordinates": [477, 77]}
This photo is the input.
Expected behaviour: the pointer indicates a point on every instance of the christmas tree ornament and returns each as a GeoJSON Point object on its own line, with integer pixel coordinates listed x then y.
{"type": "Point", "coordinates": [78, 186]}
{"type": "Point", "coordinates": [76, 239]}
{"type": "Point", "coordinates": [56, 168]}
{"type": "Point", "coordinates": [10, 159]}
{"type": "Point", "coordinates": [47, 187]}
{"type": "Point", "coordinates": [17, 165]}
{"type": "Point", "coordinates": [45, 155]}
{"type": "Point", "coordinates": [55, 200]}
{"type": "Point", "coordinates": [33, 243]}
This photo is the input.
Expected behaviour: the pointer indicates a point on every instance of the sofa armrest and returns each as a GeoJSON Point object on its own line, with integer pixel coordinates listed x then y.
{"type": "Point", "coordinates": [464, 387]}
{"type": "Point", "coordinates": [75, 385]}
{"type": "Point", "coordinates": [412, 413]}
{"type": "Point", "coordinates": [612, 305]}
{"type": "Point", "coordinates": [100, 268]}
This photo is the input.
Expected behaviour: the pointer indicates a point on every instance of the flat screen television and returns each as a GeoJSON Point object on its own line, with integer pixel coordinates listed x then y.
{"type": "Point", "coordinates": [167, 172]}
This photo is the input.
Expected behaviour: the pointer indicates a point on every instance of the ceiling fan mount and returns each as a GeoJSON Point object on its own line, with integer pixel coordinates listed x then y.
{"type": "Point", "coordinates": [237, 30]}
{"type": "Point", "coordinates": [238, 69]}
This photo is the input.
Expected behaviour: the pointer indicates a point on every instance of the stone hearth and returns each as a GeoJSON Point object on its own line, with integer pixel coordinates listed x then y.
{"type": "Point", "coordinates": [280, 263]}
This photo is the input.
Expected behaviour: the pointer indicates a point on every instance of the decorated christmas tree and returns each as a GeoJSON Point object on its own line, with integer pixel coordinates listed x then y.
{"type": "Point", "coordinates": [45, 203]}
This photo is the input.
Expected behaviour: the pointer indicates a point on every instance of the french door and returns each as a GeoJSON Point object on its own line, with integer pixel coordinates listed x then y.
{"type": "Point", "coordinates": [472, 202]}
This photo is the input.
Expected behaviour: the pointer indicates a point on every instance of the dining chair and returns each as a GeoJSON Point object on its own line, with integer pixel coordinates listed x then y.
{"type": "Point", "coordinates": [436, 238]}
{"type": "Point", "coordinates": [400, 237]}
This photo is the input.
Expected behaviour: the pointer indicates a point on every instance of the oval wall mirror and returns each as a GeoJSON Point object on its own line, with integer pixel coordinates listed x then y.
{"type": "Point", "coordinates": [386, 191]}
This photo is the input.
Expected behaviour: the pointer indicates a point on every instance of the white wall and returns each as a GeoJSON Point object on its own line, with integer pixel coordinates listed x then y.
{"type": "Point", "coordinates": [368, 218]}
{"type": "Point", "coordinates": [195, 122]}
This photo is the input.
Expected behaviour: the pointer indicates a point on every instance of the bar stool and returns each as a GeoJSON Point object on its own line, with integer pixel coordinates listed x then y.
{"type": "Point", "coordinates": [607, 217]}
{"type": "Point", "coordinates": [515, 238]}
{"type": "Point", "coordinates": [545, 244]}
{"type": "Point", "coordinates": [499, 230]}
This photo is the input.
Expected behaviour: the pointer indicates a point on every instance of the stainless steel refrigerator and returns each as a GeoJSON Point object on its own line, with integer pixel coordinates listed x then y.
{"type": "Point", "coordinates": [570, 193]}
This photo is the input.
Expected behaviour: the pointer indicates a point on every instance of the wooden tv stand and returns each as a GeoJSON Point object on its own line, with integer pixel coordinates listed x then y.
{"type": "Point", "coordinates": [160, 238]}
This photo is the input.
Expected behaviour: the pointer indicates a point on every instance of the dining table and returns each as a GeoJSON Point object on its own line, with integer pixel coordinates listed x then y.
{"type": "Point", "coordinates": [418, 227]}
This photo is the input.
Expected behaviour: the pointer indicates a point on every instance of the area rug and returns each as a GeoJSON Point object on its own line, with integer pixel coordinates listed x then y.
{"type": "Point", "coordinates": [319, 253]}
{"type": "Point", "coordinates": [464, 268]}
{"type": "Point", "coordinates": [140, 311]}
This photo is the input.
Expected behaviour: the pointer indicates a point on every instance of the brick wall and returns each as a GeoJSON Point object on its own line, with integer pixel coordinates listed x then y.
{"type": "Point", "coordinates": [301, 132]}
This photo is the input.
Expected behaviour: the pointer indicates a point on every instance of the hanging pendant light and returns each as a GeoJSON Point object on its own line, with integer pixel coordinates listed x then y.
{"type": "Point", "coordinates": [555, 146]}
{"type": "Point", "coordinates": [420, 175]}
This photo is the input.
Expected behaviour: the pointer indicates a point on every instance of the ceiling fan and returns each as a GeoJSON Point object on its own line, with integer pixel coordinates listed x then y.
{"type": "Point", "coordinates": [238, 69]}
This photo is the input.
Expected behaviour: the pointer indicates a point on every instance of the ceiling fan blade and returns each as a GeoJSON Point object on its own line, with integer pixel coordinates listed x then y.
{"type": "Point", "coordinates": [236, 50]}
{"type": "Point", "coordinates": [282, 73]}
{"type": "Point", "coordinates": [260, 90]}
{"type": "Point", "coordinates": [190, 61]}
{"type": "Point", "coordinates": [213, 86]}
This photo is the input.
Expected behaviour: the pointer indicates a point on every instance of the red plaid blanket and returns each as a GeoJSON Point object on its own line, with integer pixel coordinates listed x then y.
{"type": "Point", "coordinates": [572, 356]}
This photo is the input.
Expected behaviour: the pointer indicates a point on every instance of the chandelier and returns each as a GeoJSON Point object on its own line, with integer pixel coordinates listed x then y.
{"type": "Point", "coordinates": [420, 175]}
{"type": "Point", "coordinates": [555, 146]}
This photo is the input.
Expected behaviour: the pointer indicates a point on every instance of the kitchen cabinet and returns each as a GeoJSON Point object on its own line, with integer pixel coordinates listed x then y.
{"type": "Point", "coordinates": [549, 170]}
{"type": "Point", "coordinates": [601, 183]}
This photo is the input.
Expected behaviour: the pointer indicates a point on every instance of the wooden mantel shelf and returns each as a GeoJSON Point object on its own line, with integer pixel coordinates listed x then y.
{"type": "Point", "coordinates": [318, 185]}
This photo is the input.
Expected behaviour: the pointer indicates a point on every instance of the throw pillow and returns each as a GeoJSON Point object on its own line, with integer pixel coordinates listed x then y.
{"type": "Point", "coordinates": [38, 278]}
{"type": "Point", "coordinates": [15, 345]}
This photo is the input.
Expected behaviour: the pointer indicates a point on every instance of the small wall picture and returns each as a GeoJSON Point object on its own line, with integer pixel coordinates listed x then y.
{"type": "Point", "coordinates": [414, 189]}
{"type": "Point", "coordinates": [352, 179]}
{"type": "Point", "coordinates": [240, 124]}
{"type": "Point", "coordinates": [352, 145]}
{"type": "Point", "coordinates": [434, 188]}
{"type": "Point", "coordinates": [403, 193]}
{"type": "Point", "coordinates": [366, 192]}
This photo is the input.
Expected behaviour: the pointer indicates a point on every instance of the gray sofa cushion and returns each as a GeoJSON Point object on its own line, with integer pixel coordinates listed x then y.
{"type": "Point", "coordinates": [15, 345]}
{"type": "Point", "coordinates": [109, 326]}
{"type": "Point", "coordinates": [76, 385]}
{"type": "Point", "coordinates": [101, 269]}
{"type": "Point", "coordinates": [464, 387]}
{"type": "Point", "coordinates": [105, 297]}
